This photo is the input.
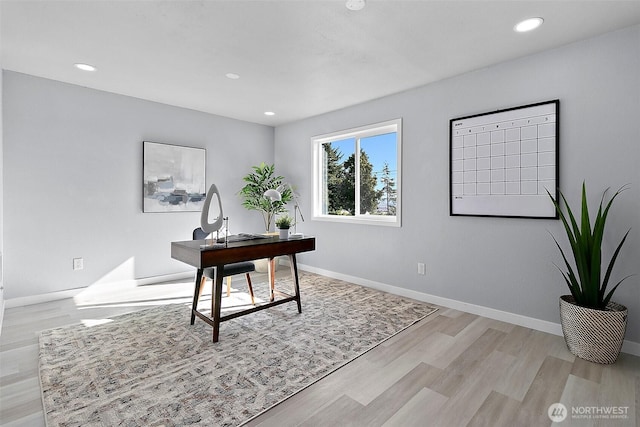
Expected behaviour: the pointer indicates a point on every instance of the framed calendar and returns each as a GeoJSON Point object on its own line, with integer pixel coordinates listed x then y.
{"type": "Point", "coordinates": [502, 163]}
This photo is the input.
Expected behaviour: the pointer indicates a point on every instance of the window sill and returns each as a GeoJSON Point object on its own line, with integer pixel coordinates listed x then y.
{"type": "Point", "coordinates": [379, 220]}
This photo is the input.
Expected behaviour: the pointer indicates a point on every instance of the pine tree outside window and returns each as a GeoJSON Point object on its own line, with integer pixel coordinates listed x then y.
{"type": "Point", "coordinates": [357, 175]}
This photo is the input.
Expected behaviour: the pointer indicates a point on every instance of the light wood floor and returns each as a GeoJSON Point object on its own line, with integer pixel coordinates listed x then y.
{"type": "Point", "coordinates": [452, 369]}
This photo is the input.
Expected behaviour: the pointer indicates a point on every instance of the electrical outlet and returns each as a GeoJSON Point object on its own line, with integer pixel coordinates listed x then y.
{"type": "Point", "coordinates": [78, 263]}
{"type": "Point", "coordinates": [422, 269]}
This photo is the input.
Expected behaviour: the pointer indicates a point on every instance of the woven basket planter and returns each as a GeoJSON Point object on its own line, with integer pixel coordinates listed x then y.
{"type": "Point", "coordinates": [593, 335]}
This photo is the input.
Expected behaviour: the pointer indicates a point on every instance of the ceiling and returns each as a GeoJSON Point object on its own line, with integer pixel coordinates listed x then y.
{"type": "Point", "coordinates": [295, 58]}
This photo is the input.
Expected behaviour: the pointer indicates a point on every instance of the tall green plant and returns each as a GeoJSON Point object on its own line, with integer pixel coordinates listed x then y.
{"type": "Point", "coordinates": [585, 282]}
{"type": "Point", "coordinates": [263, 178]}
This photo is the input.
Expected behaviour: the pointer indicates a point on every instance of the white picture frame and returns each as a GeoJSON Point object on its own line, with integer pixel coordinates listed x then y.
{"type": "Point", "coordinates": [174, 178]}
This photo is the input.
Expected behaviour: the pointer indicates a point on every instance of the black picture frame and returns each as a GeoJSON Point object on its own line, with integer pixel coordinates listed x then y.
{"type": "Point", "coordinates": [502, 162]}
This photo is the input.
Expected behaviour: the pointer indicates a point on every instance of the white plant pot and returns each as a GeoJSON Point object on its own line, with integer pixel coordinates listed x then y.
{"type": "Point", "coordinates": [284, 233]}
{"type": "Point", "coordinates": [262, 265]}
{"type": "Point", "coordinates": [593, 335]}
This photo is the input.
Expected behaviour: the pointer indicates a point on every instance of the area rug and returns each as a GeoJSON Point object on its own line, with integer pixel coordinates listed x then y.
{"type": "Point", "coordinates": [152, 368]}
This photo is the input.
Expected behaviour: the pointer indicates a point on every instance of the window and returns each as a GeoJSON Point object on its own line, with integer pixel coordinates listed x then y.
{"type": "Point", "coordinates": [357, 174]}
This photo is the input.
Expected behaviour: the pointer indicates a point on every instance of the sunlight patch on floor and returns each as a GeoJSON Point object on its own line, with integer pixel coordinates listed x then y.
{"type": "Point", "coordinates": [94, 322]}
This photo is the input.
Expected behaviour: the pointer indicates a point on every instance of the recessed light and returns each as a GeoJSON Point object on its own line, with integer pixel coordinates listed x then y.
{"type": "Point", "coordinates": [85, 67]}
{"type": "Point", "coordinates": [528, 25]}
{"type": "Point", "coordinates": [355, 4]}
{"type": "Point", "coordinates": [269, 113]}
{"type": "Point", "coordinates": [232, 76]}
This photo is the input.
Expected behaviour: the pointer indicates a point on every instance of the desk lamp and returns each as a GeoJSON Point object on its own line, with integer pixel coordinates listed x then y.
{"type": "Point", "coordinates": [275, 195]}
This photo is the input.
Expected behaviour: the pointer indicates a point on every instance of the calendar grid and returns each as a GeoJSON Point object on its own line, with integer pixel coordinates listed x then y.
{"type": "Point", "coordinates": [505, 156]}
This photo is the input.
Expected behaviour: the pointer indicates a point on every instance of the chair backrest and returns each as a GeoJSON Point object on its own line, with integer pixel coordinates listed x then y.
{"type": "Point", "coordinates": [199, 234]}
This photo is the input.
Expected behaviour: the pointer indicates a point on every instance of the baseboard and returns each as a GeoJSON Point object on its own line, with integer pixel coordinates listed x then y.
{"type": "Point", "coordinates": [2, 307]}
{"type": "Point", "coordinates": [629, 347]}
{"type": "Point", "coordinates": [41, 298]}
{"type": "Point", "coordinates": [70, 293]}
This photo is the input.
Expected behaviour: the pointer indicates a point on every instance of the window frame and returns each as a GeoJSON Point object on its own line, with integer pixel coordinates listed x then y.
{"type": "Point", "coordinates": [358, 133]}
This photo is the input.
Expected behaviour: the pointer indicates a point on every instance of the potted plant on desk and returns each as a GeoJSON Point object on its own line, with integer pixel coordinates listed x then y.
{"type": "Point", "coordinates": [593, 326]}
{"type": "Point", "coordinates": [283, 224]}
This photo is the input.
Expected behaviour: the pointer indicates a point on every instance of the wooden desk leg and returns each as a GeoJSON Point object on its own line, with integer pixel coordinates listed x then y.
{"type": "Point", "coordinates": [196, 294]}
{"type": "Point", "coordinates": [272, 278]}
{"type": "Point", "coordinates": [294, 275]}
{"type": "Point", "coordinates": [216, 301]}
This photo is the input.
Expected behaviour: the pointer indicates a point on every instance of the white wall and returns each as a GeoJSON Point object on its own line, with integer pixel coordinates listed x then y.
{"type": "Point", "coordinates": [73, 183]}
{"type": "Point", "coordinates": [1, 199]}
{"type": "Point", "coordinates": [501, 263]}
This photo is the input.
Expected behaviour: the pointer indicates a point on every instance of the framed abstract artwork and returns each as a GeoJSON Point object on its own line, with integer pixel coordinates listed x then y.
{"type": "Point", "coordinates": [173, 178]}
{"type": "Point", "coordinates": [502, 163]}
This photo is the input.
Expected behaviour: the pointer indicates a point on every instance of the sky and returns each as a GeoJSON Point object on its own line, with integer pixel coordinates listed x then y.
{"type": "Point", "coordinates": [379, 148]}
